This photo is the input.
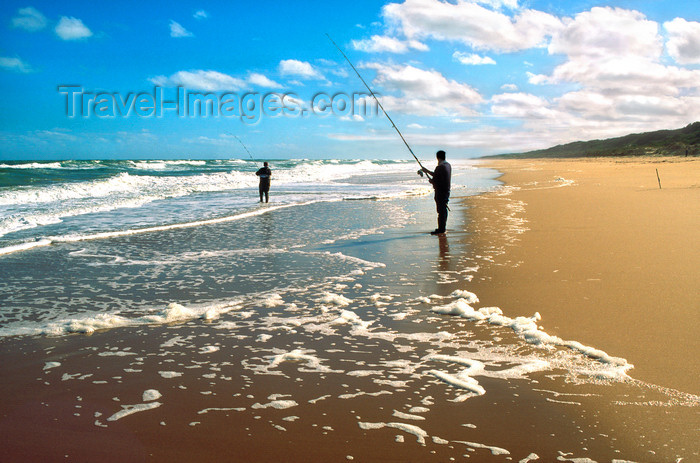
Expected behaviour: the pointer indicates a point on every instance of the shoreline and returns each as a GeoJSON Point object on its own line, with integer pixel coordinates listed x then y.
{"type": "Point", "coordinates": [604, 255]}
{"type": "Point", "coordinates": [361, 355]}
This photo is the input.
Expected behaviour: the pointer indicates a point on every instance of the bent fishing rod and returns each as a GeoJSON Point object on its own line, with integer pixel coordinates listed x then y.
{"type": "Point", "coordinates": [423, 169]}
{"type": "Point", "coordinates": [244, 147]}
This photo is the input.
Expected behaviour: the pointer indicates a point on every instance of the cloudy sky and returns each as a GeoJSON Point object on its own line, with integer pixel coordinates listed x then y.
{"type": "Point", "coordinates": [473, 77]}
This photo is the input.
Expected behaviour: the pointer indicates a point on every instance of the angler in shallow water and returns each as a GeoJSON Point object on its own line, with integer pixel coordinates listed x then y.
{"type": "Point", "coordinates": [441, 179]}
{"type": "Point", "coordinates": [443, 171]}
{"type": "Point", "coordinates": [264, 173]}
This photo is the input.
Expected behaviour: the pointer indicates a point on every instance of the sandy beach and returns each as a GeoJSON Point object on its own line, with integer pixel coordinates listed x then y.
{"type": "Point", "coordinates": [603, 254]}
{"type": "Point", "coordinates": [343, 331]}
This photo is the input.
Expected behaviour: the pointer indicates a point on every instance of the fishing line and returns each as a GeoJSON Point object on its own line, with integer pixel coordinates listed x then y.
{"type": "Point", "coordinates": [244, 147]}
{"type": "Point", "coordinates": [420, 172]}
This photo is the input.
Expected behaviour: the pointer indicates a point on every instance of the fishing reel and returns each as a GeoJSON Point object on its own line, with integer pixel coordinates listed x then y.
{"type": "Point", "coordinates": [420, 172]}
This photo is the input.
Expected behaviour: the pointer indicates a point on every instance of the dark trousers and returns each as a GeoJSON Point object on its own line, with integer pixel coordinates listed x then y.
{"type": "Point", "coordinates": [441, 205]}
{"type": "Point", "coordinates": [264, 189]}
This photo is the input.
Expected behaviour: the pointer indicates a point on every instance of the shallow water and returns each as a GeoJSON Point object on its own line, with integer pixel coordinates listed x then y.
{"type": "Point", "coordinates": [116, 230]}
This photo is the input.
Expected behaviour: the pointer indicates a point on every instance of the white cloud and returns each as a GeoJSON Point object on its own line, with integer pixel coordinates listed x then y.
{"type": "Point", "coordinates": [201, 14]}
{"type": "Point", "coordinates": [621, 92]}
{"type": "Point", "coordinates": [326, 66]}
{"type": "Point", "coordinates": [653, 107]}
{"type": "Point", "coordinates": [361, 137]}
{"type": "Point", "coordinates": [69, 28]}
{"type": "Point", "coordinates": [522, 106]}
{"type": "Point", "coordinates": [382, 43]}
{"type": "Point", "coordinates": [684, 41]}
{"type": "Point", "coordinates": [512, 4]}
{"type": "Point", "coordinates": [473, 24]}
{"type": "Point", "coordinates": [55, 135]}
{"type": "Point", "coordinates": [593, 104]}
{"type": "Point", "coordinates": [176, 30]}
{"type": "Point", "coordinates": [302, 69]}
{"type": "Point", "coordinates": [262, 81]}
{"type": "Point", "coordinates": [488, 139]}
{"type": "Point", "coordinates": [423, 92]}
{"type": "Point", "coordinates": [210, 81]}
{"type": "Point", "coordinates": [14, 64]}
{"type": "Point", "coordinates": [605, 32]}
{"type": "Point", "coordinates": [340, 72]}
{"type": "Point", "coordinates": [412, 81]}
{"type": "Point", "coordinates": [353, 118]}
{"type": "Point", "coordinates": [326, 62]}
{"type": "Point", "coordinates": [222, 140]}
{"type": "Point", "coordinates": [538, 79]}
{"type": "Point", "coordinates": [30, 19]}
{"type": "Point", "coordinates": [484, 140]}
{"type": "Point", "coordinates": [472, 58]}
{"type": "Point", "coordinates": [619, 109]}
{"type": "Point", "coordinates": [623, 75]}
{"type": "Point", "coordinates": [613, 57]}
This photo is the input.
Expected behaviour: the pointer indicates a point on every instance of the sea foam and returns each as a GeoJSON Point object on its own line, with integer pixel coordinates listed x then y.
{"type": "Point", "coordinates": [407, 428]}
{"type": "Point", "coordinates": [528, 329]}
{"type": "Point", "coordinates": [131, 409]}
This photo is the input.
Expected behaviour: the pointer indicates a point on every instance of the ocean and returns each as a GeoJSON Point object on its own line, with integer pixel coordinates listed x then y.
{"type": "Point", "coordinates": [82, 209]}
{"type": "Point", "coordinates": [158, 303]}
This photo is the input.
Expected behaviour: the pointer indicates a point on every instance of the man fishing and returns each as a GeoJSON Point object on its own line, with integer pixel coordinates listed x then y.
{"type": "Point", "coordinates": [441, 179]}
{"type": "Point", "coordinates": [443, 172]}
{"type": "Point", "coordinates": [264, 173]}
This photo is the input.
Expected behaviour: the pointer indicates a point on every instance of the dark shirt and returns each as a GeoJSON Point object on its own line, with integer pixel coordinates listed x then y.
{"type": "Point", "coordinates": [441, 180]}
{"type": "Point", "coordinates": [264, 173]}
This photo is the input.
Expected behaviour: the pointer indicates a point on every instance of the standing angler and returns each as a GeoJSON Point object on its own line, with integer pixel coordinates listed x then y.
{"type": "Point", "coordinates": [264, 173]}
{"type": "Point", "coordinates": [441, 183]}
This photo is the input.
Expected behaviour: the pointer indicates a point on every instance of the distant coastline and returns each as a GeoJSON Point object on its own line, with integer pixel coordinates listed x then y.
{"type": "Point", "coordinates": [679, 142]}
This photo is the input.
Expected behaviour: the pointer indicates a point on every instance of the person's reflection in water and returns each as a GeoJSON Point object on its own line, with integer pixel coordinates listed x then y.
{"type": "Point", "coordinates": [444, 250]}
{"type": "Point", "coordinates": [266, 235]}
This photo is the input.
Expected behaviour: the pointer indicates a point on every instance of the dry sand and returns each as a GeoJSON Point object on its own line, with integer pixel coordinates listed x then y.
{"type": "Point", "coordinates": [610, 260]}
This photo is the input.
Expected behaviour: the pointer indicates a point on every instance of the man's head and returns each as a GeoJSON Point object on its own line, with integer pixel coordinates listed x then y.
{"type": "Point", "coordinates": [440, 155]}
{"type": "Point", "coordinates": [265, 163]}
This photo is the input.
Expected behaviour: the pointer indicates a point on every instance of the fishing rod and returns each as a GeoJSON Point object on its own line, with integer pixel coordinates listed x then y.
{"type": "Point", "coordinates": [244, 147]}
{"type": "Point", "coordinates": [423, 169]}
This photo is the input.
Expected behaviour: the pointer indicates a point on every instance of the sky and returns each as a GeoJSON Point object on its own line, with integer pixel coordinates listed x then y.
{"type": "Point", "coordinates": [199, 79]}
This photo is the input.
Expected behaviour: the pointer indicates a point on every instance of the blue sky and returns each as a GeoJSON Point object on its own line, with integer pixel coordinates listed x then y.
{"type": "Point", "coordinates": [472, 77]}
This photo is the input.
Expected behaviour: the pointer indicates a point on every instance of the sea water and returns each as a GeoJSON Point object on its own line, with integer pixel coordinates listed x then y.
{"type": "Point", "coordinates": [80, 210]}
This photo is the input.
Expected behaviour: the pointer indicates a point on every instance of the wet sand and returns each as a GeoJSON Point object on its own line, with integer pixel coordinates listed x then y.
{"type": "Point", "coordinates": [610, 260]}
